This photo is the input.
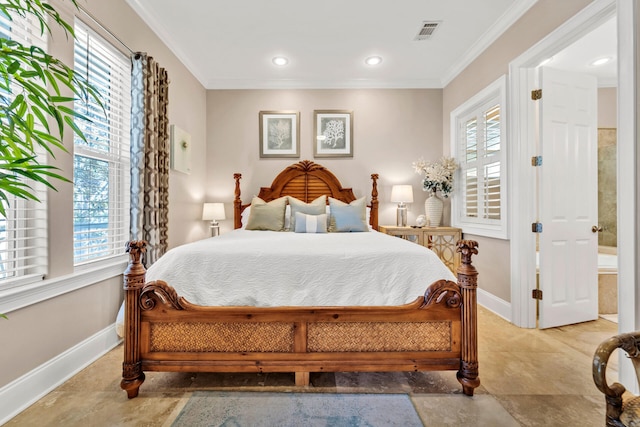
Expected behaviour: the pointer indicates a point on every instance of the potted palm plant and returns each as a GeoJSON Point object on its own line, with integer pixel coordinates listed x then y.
{"type": "Point", "coordinates": [37, 92]}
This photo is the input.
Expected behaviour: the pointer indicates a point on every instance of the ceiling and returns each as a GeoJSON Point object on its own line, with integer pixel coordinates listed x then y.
{"type": "Point", "coordinates": [601, 42]}
{"type": "Point", "coordinates": [231, 44]}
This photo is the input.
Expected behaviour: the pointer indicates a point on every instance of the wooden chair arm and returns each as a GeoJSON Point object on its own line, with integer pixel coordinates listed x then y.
{"type": "Point", "coordinates": [630, 343]}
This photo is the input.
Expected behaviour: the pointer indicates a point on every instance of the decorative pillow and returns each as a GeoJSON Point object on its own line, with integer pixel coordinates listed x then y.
{"type": "Point", "coordinates": [316, 207]}
{"type": "Point", "coordinates": [358, 205]}
{"type": "Point", "coordinates": [267, 216]}
{"type": "Point", "coordinates": [310, 223]}
{"type": "Point", "coordinates": [348, 218]}
{"type": "Point", "coordinates": [368, 217]}
{"type": "Point", "coordinates": [244, 217]}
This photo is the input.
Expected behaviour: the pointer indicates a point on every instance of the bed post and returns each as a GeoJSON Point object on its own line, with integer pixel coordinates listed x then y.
{"type": "Point", "coordinates": [134, 278]}
{"type": "Point", "coordinates": [237, 203]}
{"type": "Point", "coordinates": [468, 282]}
{"type": "Point", "coordinates": [374, 202]}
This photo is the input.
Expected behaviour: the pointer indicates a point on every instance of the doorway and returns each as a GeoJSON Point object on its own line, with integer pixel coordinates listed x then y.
{"type": "Point", "coordinates": [524, 78]}
{"type": "Point", "coordinates": [628, 163]}
{"type": "Point", "coordinates": [590, 289]}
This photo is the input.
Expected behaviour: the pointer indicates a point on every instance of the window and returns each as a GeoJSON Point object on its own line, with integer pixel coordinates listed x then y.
{"type": "Point", "coordinates": [23, 240]}
{"type": "Point", "coordinates": [101, 163]}
{"type": "Point", "coordinates": [477, 133]}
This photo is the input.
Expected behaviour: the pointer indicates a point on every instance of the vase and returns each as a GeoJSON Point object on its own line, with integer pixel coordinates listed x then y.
{"type": "Point", "coordinates": [433, 207]}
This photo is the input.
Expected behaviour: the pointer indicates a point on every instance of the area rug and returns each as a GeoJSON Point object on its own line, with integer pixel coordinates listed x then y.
{"type": "Point", "coordinates": [239, 409]}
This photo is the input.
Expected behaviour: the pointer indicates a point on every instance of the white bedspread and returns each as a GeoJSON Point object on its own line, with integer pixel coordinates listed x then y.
{"type": "Point", "coordinates": [268, 269]}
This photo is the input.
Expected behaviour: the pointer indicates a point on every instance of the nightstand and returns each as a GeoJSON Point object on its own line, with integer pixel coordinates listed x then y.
{"type": "Point", "coordinates": [441, 240]}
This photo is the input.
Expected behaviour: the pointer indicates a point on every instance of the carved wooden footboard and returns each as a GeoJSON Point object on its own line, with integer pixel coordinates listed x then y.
{"type": "Point", "coordinates": [164, 332]}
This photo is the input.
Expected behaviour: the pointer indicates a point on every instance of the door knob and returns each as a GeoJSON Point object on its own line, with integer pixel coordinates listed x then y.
{"type": "Point", "coordinates": [596, 229]}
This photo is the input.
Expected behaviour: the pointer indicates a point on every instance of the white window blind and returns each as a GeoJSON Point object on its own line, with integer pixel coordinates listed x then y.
{"type": "Point", "coordinates": [478, 129]}
{"type": "Point", "coordinates": [101, 163]}
{"type": "Point", "coordinates": [23, 237]}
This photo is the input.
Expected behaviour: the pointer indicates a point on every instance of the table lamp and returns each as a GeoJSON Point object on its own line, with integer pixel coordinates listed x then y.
{"type": "Point", "coordinates": [213, 212]}
{"type": "Point", "coordinates": [402, 194]}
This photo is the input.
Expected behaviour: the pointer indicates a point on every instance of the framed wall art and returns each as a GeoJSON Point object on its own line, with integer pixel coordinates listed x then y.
{"type": "Point", "coordinates": [332, 133]}
{"type": "Point", "coordinates": [180, 150]}
{"type": "Point", "coordinates": [279, 134]}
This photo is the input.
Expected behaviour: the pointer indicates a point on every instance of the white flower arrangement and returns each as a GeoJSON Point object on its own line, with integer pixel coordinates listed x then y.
{"type": "Point", "coordinates": [438, 176]}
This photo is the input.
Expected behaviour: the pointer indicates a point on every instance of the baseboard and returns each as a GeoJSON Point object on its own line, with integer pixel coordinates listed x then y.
{"type": "Point", "coordinates": [494, 304]}
{"type": "Point", "coordinates": [19, 394]}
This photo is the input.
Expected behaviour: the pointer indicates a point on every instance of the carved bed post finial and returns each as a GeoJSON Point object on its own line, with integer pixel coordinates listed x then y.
{"type": "Point", "coordinates": [237, 203]}
{"type": "Point", "coordinates": [468, 282]}
{"type": "Point", "coordinates": [374, 202]}
{"type": "Point", "coordinates": [134, 278]}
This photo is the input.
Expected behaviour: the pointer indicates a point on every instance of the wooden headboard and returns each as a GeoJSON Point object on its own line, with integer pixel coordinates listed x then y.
{"type": "Point", "coordinates": [306, 181]}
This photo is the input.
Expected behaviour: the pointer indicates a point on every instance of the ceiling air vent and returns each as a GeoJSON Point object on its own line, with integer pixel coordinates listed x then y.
{"type": "Point", "coordinates": [427, 29]}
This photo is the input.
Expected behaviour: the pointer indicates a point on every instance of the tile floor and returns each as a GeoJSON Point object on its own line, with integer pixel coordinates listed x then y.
{"type": "Point", "coordinates": [529, 378]}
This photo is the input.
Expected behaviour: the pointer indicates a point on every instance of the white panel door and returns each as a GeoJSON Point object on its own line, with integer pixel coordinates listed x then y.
{"type": "Point", "coordinates": [568, 196]}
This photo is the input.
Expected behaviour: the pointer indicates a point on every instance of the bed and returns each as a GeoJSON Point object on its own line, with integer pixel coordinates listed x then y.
{"type": "Point", "coordinates": [430, 324]}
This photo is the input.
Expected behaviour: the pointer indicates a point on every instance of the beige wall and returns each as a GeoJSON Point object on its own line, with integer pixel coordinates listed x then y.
{"type": "Point", "coordinates": [36, 334]}
{"type": "Point", "coordinates": [40, 332]}
{"type": "Point", "coordinates": [493, 260]}
{"type": "Point", "coordinates": [392, 128]}
{"type": "Point", "coordinates": [608, 107]}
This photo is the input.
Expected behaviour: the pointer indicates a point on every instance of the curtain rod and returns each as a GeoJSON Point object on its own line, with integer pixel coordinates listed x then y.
{"type": "Point", "coordinates": [93, 18]}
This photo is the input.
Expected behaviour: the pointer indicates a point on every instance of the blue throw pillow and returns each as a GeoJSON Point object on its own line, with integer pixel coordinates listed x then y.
{"type": "Point", "coordinates": [348, 218]}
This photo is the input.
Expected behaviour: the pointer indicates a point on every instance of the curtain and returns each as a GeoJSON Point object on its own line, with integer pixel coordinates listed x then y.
{"type": "Point", "coordinates": [149, 155]}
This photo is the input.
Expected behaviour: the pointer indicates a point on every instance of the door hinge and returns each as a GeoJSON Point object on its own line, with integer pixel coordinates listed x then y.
{"type": "Point", "coordinates": [536, 294]}
{"type": "Point", "coordinates": [536, 227]}
{"type": "Point", "coordinates": [536, 161]}
{"type": "Point", "coordinates": [536, 94]}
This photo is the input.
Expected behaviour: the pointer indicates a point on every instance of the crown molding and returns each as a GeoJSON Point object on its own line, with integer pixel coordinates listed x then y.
{"type": "Point", "coordinates": [508, 18]}
{"type": "Point", "coordinates": [164, 36]}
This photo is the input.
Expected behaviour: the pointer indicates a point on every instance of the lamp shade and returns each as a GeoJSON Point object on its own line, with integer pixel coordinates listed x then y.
{"type": "Point", "coordinates": [402, 194]}
{"type": "Point", "coordinates": [213, 211]}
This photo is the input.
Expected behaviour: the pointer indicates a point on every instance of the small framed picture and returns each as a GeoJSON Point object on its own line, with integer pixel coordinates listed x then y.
{"type": "Point", "coordinates": [279, 134]}
{"type": "Point", "coordinates": [333, 133]}
{"type": "Point", "coordinates": [180, 154]}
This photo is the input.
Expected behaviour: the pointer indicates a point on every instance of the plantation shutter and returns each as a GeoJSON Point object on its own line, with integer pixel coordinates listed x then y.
{"type": "Point", "coordinates": [481, 164]}
{"type": "Point", "coordinates": [491, 174]}
{"type": "Point", "coordinates": [101, 163]}
{"type": "Point", "coordinates": [478, 131]}
{"type": "Point", "coordinates": [23, 232]}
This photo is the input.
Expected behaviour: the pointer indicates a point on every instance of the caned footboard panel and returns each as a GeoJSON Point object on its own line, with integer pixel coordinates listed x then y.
{"type": "Point", "coordinates": [221, 337]}
{"type": "Point", "coordinates": [379, 336]}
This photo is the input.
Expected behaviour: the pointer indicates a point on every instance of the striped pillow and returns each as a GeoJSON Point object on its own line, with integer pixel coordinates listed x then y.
{"type": "Point", "coordinates": [310, 223]}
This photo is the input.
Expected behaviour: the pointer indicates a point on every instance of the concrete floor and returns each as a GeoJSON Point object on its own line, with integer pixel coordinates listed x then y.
{"type": "Point", "coordinates": [529, 378]}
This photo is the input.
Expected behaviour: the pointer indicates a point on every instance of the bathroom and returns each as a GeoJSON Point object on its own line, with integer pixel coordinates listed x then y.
{"type": "Point", "coordinates": [607, 214]}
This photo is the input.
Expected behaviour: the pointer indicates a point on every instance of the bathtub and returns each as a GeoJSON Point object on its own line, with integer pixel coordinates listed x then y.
{"type": "Point", "coordinates": [607, 280]}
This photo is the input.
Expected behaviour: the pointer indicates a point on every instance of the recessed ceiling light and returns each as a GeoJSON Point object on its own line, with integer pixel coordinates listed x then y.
{"type": "Point", "coordinates": [280, 61]}
{"type": "Point", "coordinates": [373, 60]}
{"type": "Point", "coordinates": [600, 61]}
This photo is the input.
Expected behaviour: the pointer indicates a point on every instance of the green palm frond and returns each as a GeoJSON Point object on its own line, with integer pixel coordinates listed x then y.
{"type": "Point", "coordinates": [36, 92]}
